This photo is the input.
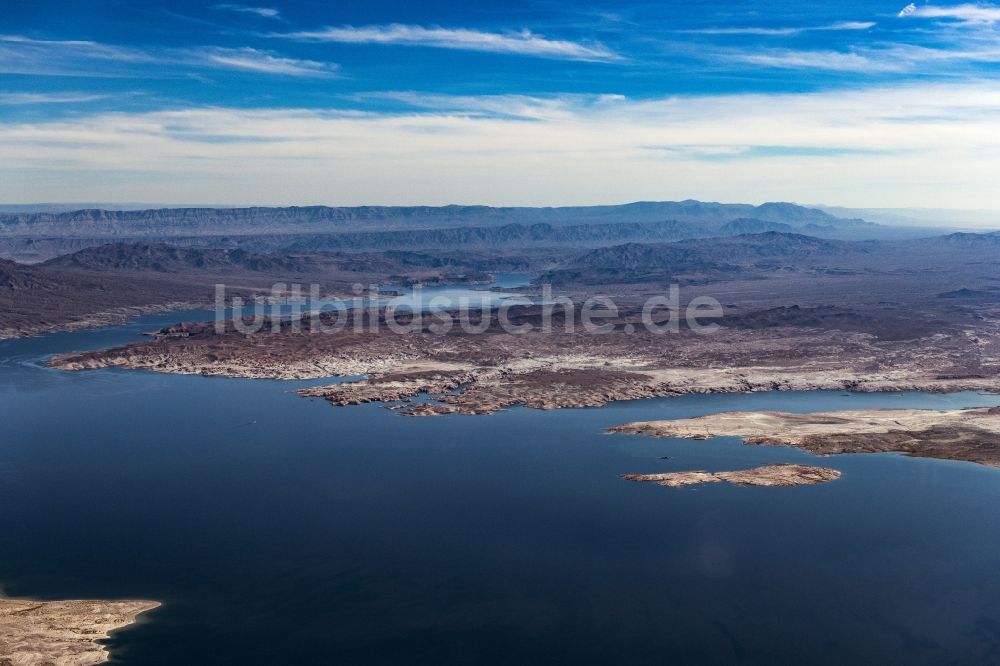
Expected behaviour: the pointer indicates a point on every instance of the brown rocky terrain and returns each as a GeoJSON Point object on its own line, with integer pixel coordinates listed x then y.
{"type": "Point", "coordinates": [96, 285]}
{"type": "Point", "coordinates": [800, 313]}
{"type": "Point", "coordinates": [797, 349]}
{"type": "Point", "coordinates": [34, 299]}
{"type": "Point", "coordinates": [106, 285]}
{"type": "Point", "coordinates": [964, 434]}
{"type": "Point", "coordinates": [720, 257]}
{"type": "Point", "coordinates": [769, 475]}
{"type": "Point", "coordinates": [61, 633]}
{"type": "Point", "coordinates": [163, 258]}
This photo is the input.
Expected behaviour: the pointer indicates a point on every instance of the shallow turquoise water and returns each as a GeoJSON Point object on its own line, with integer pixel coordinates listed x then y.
{"type": "Point", "coordinates": [279, 530]}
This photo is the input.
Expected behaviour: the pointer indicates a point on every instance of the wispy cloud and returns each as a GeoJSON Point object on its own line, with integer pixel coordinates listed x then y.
{"type": "Point", "coordinates": [519, 43]}
{"type": "Point", "coordinates": [523, 107]}
{"type": "Point", "coordinates": [22, 55]}
{"type": "Point", "coordinates": [964, 38]}
{"type": "Point", "coordinates": [831, 61]}
{"type": "Point", "coordinates": [253, 60]}
{"type": "Point", "coordinates": [18, 98]}
{"type": "Point", "coordinates": [965, 13]}
{"type": "Point", "coordinates": [265, 12]}
{"type": "Point", "coordinates": [786, 31]}
{"type": "Point", "coordinates": [755, 151]}
{"type": "Point", "coordinates": [943, 59]}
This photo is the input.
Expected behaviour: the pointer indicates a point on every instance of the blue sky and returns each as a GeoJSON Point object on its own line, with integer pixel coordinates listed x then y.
{"type": "Point", "coordinates": [549, 102]}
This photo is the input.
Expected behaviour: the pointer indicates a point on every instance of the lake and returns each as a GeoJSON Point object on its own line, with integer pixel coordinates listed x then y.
{"type": "Point", "coordinates": [281, 530]}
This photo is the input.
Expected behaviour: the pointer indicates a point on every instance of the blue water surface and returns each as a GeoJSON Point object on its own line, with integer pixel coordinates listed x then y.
{"type": "Point", "coordinates": [282, 530]}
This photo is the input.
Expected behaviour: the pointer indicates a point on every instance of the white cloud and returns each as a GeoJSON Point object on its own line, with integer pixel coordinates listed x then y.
{"type": "Point", "coordinates": [834, 61]}
{"type": "Point", "coordinates": [265, 12]}
{"type": "Point", "coordinates": [520, 43]}
{"type": "Point", "coordinates": [22, 55]}
{"type": "Point", "coordinates": [253, 60]}
{"type": "Point", "coordinates": [525, 107]}
{"type": "Point", "coordinates": [920, 145]}
{"type": "Point", "coordinates": [779, 32]}
{"type": "Point", "coordinates": [966, 13]}
{"type": "Point", "coordinates": [950, 50]}
{"type": "Point", "coordinates": [886, 58]}
{"type": "Point", "coordinates": [12, 98]}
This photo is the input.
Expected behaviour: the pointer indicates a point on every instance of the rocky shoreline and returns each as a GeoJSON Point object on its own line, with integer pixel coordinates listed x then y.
{"type": "Point", "coordinates": [563, 383]}
{"type": "Point", "coordinates": [482, 373]}
{"type": "Point", "coordinates": [62, 633]}
{"type": "Point", "coordinates": [971, 435]}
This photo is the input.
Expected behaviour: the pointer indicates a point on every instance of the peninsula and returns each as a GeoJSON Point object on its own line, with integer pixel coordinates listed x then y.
{"type": "Point", "coordinates": [798, 349]}
{"type": "Point", "coordinates": [62, 633]}
{"type": "Point", "coordinates": [971, 435]}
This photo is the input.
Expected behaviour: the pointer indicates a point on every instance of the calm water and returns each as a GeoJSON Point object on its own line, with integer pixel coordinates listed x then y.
{"type": "Point", "coordinates": [280, 530]}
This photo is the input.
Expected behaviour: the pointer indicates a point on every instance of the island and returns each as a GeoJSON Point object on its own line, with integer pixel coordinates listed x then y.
{"type": "Point", "coordinates": [62, 633]}
{"type": "Point", "coordinates": [767, 475]}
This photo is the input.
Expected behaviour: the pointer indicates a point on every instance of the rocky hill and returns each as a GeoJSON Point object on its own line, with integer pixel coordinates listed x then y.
{"type": "Point", "coordinates": [162, 258]}
{"type": "Point", "coordinates": [748, 248]}
{"type": "Point", "coordinates": [644, 262]}
{"type": "Point", "coordinates": [15, 276]}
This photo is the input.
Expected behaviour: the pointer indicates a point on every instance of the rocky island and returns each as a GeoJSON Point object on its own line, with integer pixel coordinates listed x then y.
{"type": "Point", "coordinates": [62, 633]}
{"type": "Point", "coordinates": [767, 475]}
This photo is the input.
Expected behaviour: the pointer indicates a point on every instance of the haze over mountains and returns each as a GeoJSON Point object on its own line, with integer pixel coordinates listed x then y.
{"type": "Point", "coordinates": [107, 282]}
{"type": "Point", "coordinates": [571, 259]}
{"type": "Point", "coordinates": [324, 218]}
{"type": "Point", "coordinates": [978, 220]}
{"type": "Point", "coordinates": [37, 236]}
{"type": "Point", "coordinates": [93, 261]}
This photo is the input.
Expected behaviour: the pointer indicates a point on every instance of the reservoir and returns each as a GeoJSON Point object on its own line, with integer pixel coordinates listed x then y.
{"type": "Point", "coordinates": [281, 530]}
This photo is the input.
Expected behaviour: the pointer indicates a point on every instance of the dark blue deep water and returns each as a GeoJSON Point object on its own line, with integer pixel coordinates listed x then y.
{"type": "Point", "coordinates": [280, 530]}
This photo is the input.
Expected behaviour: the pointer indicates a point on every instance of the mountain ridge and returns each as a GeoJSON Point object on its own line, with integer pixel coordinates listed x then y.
{"type": "Point", "coordinates": [259, 219]}
{"type": "Point", "coordinates": [665, 261]}
{"type": "Point", "coordinates": [164, 258]}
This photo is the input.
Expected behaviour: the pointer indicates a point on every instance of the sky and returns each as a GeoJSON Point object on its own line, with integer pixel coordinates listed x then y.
{"type": "Point", "coordinates": [545, 102]}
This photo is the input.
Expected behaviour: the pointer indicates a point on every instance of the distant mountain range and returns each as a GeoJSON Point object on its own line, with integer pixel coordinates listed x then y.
{"type": "Point", "coordinates": [79, 286]}
{"type": "Point", "coordinates": [508, 234]}
{"type": "Point", "coordinates": [606, 263]}
{"type": "Point", "coordinates": [215, 221]}
{"type": "Point", "coordinates": [31, 237]}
